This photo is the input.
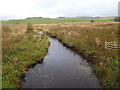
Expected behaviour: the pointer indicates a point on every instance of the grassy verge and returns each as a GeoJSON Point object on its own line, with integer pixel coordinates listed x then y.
{"type": "Point", "coordinates": [89, 40]}
{"type": "Point", "coordinates": [19, 52]}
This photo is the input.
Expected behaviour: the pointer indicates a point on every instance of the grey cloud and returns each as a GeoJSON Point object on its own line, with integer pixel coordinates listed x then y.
{"type": "Point", "coordinates": [54, 8]}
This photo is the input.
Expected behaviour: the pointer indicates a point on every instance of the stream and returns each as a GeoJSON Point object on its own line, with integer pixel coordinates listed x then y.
{"type": "Point", "coordinates": [61, 68]}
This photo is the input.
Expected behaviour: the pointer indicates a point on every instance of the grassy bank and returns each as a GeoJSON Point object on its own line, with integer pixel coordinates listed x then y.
{"type": "Point", "coordinates": [19, 51]}
{"type": "Point", "coordinates": [89, 40]}
{"type": "Point", "coordinates": [54, 21]}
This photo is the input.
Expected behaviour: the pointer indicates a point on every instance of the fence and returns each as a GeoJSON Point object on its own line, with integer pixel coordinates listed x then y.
{"type": "Point", "coordinates": [112, 45]}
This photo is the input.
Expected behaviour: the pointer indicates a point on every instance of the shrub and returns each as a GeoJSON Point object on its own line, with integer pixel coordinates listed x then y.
{"type": "Point", "coordinates": [92, 21]}
{"type": "Point", "coordinates": [17, 22]}
{"type": "Point", "coordinates": [30, 28]}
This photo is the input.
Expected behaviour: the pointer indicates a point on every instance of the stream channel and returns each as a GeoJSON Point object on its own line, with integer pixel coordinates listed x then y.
{"type": "Point", "coordinates": [60, 68]}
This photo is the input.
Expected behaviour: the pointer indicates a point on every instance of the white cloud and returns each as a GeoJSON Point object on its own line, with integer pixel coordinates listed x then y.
{"type": "Point", "coordinates": [55, 8]}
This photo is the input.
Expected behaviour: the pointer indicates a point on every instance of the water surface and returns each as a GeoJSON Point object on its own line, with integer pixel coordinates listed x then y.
{"type": "Point", "coordinates": [61, 68]}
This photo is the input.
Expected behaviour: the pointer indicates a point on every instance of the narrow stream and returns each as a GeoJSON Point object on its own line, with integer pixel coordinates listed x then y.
{"type": "Point", "coordinates": [61, 68]}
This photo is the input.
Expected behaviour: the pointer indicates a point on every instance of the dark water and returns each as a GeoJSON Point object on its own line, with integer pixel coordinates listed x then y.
{"type": "Point", "coordinates": [61, 68]}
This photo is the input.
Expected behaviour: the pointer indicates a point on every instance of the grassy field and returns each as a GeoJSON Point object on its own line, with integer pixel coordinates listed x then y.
{"type": "Point", "coordinates": [50, 21]}
{"type": "Point", "coordinates": [89, 40]}
{"type": "Point", "coordinates": [19, 51]}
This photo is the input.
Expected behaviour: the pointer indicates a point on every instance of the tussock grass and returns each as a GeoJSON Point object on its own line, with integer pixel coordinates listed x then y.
{"type": "Point", "coordinates": [19, 51]}
{"type": "Point", "coordinates": [89, 40]}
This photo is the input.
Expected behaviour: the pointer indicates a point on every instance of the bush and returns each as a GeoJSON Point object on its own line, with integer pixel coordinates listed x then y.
{"type": "Point", "coordinates": [30, 28]}
{"type": "Point", "coordinates": [92, 21]}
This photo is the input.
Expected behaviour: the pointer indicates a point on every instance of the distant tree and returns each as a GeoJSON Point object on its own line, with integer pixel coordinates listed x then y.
{"type": "Point", "coordinates": [92, 21]}
{"type": "Point", "coordinates": [30, 28]}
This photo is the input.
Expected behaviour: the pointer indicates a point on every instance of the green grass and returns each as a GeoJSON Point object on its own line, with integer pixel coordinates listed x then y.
{"type": "Point", "coordinates": [19, 52]}
{"type": "Point", "coordinates": [88, 39]}
{"type": "Point", "coordinates": [52, 21]}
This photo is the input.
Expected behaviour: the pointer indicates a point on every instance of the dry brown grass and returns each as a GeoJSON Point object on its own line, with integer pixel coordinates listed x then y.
{"type": "Point", "coordinates": [11, 33]}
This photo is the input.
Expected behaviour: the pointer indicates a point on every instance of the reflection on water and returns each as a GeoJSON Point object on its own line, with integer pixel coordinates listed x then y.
{"type": "Point", "coordinates": [61, 68]}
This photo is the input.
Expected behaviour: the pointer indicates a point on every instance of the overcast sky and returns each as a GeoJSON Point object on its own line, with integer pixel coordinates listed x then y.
{"type": "Point", "coordinates": [18, 9]}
